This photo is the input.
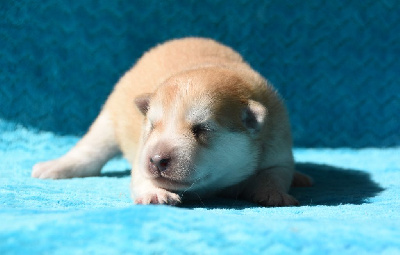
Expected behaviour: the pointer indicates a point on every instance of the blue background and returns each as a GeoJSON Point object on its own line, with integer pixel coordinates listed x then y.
{"type": "Point", "coordinates": [335, 62]}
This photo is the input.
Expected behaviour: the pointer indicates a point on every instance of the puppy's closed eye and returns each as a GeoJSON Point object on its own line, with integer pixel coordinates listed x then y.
{"type": "Point", "coordinates": [200, 132]}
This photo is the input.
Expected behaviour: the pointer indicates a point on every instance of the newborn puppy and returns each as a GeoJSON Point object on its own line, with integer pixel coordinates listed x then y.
{"type": "Point", "coordinates": [205, 123]}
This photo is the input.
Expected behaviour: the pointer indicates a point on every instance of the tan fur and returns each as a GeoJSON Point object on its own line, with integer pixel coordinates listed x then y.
{"type": "Point", "coordinates": [189, 82]}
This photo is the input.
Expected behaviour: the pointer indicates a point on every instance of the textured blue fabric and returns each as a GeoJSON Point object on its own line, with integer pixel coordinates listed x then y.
{"type": "Point", "coordinates": [352, 209]}
{"type": "Point", "coordinates": [335, 62]}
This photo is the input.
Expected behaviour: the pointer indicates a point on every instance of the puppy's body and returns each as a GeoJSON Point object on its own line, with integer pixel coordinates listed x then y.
{"type": "Point", "coordinates": [211, 125]}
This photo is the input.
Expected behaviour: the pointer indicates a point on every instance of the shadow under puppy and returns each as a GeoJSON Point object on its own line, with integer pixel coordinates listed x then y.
{"type": "Point", "coordinates": [205, 124]}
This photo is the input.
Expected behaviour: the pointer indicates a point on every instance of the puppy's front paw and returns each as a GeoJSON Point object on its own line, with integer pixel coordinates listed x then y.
{"type": "Point", "coordinates": [63, 168]}
{"type": "Point", "coordinates": [158, 196]}
{"type": "Point", "coordinates": [275, 198]}
{"type": "Point", "coordinates": [53, 169]}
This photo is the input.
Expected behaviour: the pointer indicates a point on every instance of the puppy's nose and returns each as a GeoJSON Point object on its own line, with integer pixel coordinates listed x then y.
{"type": "Point", "coordinates": [159, 163]}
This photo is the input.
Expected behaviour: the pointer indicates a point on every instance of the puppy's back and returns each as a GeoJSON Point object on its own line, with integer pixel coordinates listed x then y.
{"type": "Point", "coordinates": [179, 55]}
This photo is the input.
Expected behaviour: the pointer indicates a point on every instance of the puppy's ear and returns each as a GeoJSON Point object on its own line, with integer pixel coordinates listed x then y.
{"type": "Point", "coordinates": [254, 116]}
{"type": "Point", "coordinates": [142, 102]}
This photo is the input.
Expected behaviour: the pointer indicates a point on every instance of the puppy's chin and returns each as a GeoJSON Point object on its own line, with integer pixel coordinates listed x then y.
{"type": "Point", "coordinates": [170, 184]}
{"type": "Point", "coordinates": [183, 185]}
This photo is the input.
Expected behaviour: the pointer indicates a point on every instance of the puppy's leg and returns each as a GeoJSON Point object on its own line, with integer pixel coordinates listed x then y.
{"type": "Point", "coordinates": [270, 186]}
{"type": "Point", "coordinates": [87, 157]}
{"type": "Point", "coordinates": [144, 192]}
{"type": "Point", "coordinates": [301, 180]}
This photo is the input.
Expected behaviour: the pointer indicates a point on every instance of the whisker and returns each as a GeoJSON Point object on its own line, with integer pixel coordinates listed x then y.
{"type": "Point", "coordinates": [198, 196]}
{"type": "Point", "coordinates": [201, 201]}
{"type": "Point", "coordinates": [194, 182]}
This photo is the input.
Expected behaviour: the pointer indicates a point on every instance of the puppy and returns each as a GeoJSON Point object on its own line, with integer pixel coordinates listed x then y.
{"type": "Point", "coordinates": [205, 123]}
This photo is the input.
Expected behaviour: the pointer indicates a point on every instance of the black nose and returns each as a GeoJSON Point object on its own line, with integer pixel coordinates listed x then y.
{"type": "Point", "coordinates": [160, 163]}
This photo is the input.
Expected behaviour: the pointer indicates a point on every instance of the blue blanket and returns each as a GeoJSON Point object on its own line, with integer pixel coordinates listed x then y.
{"type": "Point", "coordinates": [353, 208]}
{"type": "Point", "coordinates": [334, 62]}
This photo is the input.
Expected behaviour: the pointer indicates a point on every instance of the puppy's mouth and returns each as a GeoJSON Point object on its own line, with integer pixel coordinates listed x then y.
{"type": "Point", "coordinates": [177, 185]}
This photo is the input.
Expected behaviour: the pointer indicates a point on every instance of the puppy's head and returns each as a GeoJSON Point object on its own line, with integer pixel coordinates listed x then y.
{"type": "Point", "coordinates": [200, 131]}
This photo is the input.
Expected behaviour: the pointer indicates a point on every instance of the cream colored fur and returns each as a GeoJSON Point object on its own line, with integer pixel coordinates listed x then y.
{"type": "Point", "coordinates": [243, 148]}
